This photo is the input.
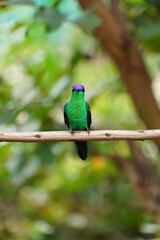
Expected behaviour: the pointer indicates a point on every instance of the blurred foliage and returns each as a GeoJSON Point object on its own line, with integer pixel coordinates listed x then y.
{"type": "Point", "coordinates": [47, 192]}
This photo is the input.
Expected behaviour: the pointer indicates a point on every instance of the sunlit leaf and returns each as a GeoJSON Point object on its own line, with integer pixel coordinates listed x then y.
{"type": "Point", "coordinates": [44, 3]}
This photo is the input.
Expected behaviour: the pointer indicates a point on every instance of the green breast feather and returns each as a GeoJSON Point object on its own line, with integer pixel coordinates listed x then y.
{"type": "Point", "coordinates": [76, 111]}
{"type": "Point", "coordinates": [77, 115]}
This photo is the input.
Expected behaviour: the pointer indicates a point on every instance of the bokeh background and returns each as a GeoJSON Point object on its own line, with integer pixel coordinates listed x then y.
{"type": "Point", "coordinates": [46, 191]}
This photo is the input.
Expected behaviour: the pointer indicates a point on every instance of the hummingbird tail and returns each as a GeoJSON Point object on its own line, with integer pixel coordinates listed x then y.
{"type": "Point", "coordinates": [82, 149]}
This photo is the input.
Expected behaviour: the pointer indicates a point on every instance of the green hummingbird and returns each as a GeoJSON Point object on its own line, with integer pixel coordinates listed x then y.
{"type": "Point", "coordinates": [77, 116]}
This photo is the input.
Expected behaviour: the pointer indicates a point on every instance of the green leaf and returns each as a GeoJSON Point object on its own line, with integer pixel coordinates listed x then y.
{"type": "Point", "coordinates": [50, 16]}
{"type": "Point", "coordinates": [89, 21]}
{"type": "Point", "coordinates": [153, 2]}
{"type": "Point", "coordinates": [8, 116]}
{"type": "Point", "coordinates": [150, 34]}
{"type": "Point", "coordinates": [44, 3]}
{"type": "Point", "coordinates": [21, 2]}
{"type": "Point", "coordinates": [44, 153]}
{"type": "Point", "coordinates": [22, 166]}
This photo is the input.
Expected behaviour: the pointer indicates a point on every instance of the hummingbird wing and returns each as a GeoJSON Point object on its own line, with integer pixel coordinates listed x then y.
{"type": "Point", "coordinates": [66, 116]}
{"type": "Point", "coordinates": [89, 118]}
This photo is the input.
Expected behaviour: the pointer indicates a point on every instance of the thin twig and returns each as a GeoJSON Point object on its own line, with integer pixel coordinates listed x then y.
{"type": "Point", "coordinates": [100, 135]}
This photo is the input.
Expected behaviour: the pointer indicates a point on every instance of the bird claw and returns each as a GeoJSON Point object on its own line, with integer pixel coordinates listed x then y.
{"type": "Point", "coordinates": [71, 132]}
{"type": "Point", "coordinates": [88, 131]}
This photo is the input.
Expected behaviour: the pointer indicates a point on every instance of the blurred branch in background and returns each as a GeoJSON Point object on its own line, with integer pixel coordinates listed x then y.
{"type": "Point", "coordinates": [144, 179]}
{"type": "Point", "coordinates": [100, 135]}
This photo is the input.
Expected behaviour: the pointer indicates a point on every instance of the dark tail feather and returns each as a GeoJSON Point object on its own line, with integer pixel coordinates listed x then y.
{"type": "Point", "coordinates": [82, 149]}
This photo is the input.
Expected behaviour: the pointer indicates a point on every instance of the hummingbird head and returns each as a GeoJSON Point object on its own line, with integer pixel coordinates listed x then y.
{"type": "Point", "coordinates": [78, 88]}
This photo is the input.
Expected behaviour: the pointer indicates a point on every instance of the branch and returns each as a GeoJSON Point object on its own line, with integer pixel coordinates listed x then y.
{"type": "Point", "coordinates": [62, 136]}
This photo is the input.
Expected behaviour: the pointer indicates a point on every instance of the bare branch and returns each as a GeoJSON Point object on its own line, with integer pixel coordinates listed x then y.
{"type": "Point", "coordinates": [100, 135]}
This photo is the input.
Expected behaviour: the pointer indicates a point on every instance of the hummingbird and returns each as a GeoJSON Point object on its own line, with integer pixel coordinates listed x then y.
{"type": "Point", "coordinates": [77, 117]}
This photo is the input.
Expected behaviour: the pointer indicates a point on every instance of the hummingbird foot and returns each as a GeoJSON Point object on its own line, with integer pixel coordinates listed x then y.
{"type": "Point", "coordinates": [88, 131]}
{"type": "Point", "coordinates": [71, 132]}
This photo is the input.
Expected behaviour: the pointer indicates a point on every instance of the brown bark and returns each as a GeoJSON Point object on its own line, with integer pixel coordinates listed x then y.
{"type": "Point", "coordinates": [100, 135]}
{"type": "Point", "coordinates": [114, 37]}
